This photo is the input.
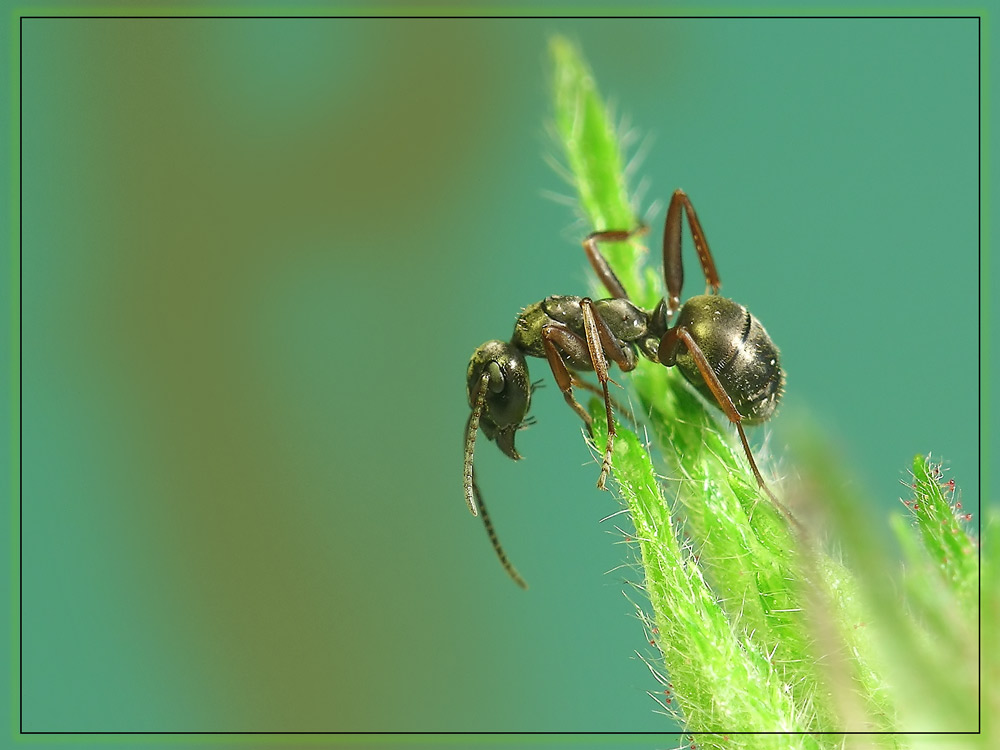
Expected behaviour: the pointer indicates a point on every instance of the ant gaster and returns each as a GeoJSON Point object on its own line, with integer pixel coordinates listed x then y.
{"type": "Point", "coordinates": [719, 347]}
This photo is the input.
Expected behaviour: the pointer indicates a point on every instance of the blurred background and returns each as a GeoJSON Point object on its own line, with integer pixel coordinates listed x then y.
{"type": "Point", "coordinates": [257, 255]}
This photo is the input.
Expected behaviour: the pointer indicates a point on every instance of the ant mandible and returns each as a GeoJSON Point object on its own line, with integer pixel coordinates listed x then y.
{"type": "Point", "coordinates": [718, 346]}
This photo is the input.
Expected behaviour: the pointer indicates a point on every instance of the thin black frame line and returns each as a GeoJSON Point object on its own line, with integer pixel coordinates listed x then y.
{"type": "Point", "coordinates": [512, 732]}
{"type": "Point", "coordinates": [508, 18]}
{"type": "Point", "coordinates": [979, 369]}
{"type": "Point", "coordinates": [22, 18]}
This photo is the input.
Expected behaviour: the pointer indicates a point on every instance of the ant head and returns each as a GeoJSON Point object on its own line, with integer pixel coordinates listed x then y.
{"type": "Point", "coordinates": [499, 393]}
{"type": "Point", "coordinates": [498, 374]}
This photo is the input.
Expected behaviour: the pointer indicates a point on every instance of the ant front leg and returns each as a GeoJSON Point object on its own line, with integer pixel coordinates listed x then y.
{"type": "Point", "coordinates": [598, 345]}
{"type": "Point", "coordinates": [556, 337]}
{"type": "Point", "coordinates": [620, 408]}
{"type": "Point", "coordinates": [602, 344]}
{"type": "Point", "coordinates": [673, 267]}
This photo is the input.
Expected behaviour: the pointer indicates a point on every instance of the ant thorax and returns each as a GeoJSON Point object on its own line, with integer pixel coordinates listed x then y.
{"type": "Point", "coordinates": [626, 322]}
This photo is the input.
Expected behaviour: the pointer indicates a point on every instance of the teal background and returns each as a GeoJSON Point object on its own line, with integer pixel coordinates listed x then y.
{"type": "Point", "coordinates": [256, 258]}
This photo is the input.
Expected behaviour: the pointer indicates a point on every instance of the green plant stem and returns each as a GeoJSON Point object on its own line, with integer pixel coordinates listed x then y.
{"type": "Point", "coordinates": [760, 627]}
{"type": "Point", "coordinates": [720, 677]}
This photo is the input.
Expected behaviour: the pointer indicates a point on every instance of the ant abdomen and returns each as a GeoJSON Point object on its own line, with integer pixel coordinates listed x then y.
{"type": "Point", "coordinates": [740, 352]}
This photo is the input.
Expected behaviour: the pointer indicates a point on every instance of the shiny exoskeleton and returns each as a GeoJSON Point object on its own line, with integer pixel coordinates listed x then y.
{"type": "Point", "coordinates": [719, 347]}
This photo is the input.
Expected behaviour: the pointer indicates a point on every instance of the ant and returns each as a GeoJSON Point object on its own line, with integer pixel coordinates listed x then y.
{"type": "Point", "coordinates": [719, 347]}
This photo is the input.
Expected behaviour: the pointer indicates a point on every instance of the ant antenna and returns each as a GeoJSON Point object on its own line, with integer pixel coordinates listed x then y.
{"type": "Point", "coordinates": [472, 495]}
{"type": "Point", "coordinates": [493, 539]}
{"type": "Point", "coordinates": [471, 428]}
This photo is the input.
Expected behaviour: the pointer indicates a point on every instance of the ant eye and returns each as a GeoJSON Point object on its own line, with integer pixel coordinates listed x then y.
{"type": "Point", "coordinates": [496, 383]}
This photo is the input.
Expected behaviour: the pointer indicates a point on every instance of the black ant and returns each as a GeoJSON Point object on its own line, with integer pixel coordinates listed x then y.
{"type": "Point", "coordinates": [720, 348]}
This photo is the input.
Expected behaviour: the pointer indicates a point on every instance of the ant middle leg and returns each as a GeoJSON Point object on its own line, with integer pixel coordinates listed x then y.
{"type": "Point", "coordinates": [600, 264]}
